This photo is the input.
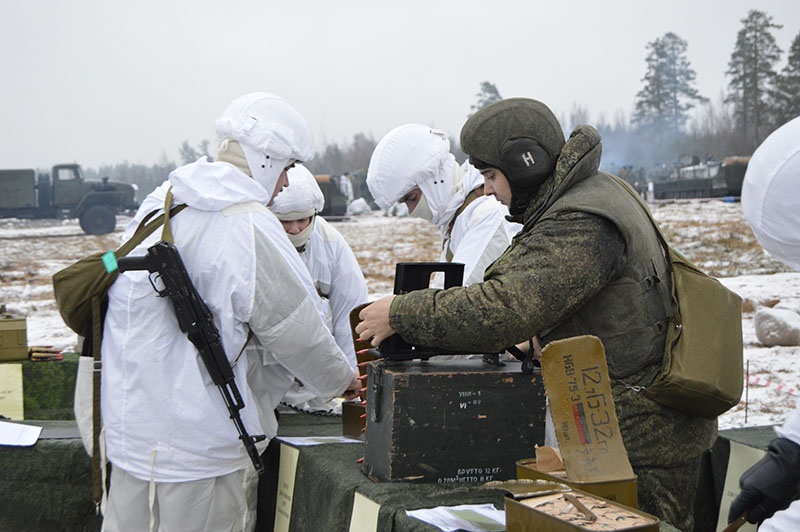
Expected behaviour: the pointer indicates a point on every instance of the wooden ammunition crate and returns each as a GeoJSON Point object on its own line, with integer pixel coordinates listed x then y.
{"type": "Point", "coordinates": [532, 514]}
{"type": "Point", "coordinates": [13, 339]}
{"type": "Point", "coordinates": [353, 421]}
{"type": "Point", "coordinates": [622, 491]}
{"type": "Point", "coordinates": [446, 421]}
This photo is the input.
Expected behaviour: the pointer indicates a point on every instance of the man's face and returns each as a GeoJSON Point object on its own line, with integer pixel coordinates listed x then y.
{"type": "Point", "coordinates": [495, 184]}
{"type": "Point", "coordinates": [294, 227]}
{"type": "Point", "coordinates": [283, 182]}
{"type": "Point", "coordinates": [411, 199]}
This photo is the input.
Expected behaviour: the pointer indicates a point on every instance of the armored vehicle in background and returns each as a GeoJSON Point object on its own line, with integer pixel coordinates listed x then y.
{"type": "Point", "coordinates": [707, 180]}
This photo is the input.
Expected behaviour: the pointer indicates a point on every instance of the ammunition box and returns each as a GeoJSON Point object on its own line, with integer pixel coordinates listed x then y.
{"type": "Point", "coordinates": [532, 514]}
{"type": "Point", "coordinates": [353, 421]}
{"type": "Point", "coordinates": [622, 491]}
{"type": "Point", "coordinates": [13, 339]}
{"type": "Point", "coordinates": [585, 422]}
{"type": "Point", "coordinates": [456, 420]}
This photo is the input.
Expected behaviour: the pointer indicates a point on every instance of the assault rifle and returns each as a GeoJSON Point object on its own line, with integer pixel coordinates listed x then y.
{"type": "Point", "coordinates": [196, 320]}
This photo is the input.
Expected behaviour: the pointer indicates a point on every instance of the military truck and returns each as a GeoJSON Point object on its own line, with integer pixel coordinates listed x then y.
{"type": "Point", "coordinates": [335, 200]}
{"type": "Point", "coordinates": [65, 193]}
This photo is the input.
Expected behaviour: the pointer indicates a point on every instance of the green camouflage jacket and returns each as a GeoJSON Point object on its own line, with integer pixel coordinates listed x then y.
{"type": "Point", "coordinates": [587, 261]}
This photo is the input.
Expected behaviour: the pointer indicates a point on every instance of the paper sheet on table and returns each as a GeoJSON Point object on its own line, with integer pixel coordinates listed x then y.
{"type": "Point", "coordinates": [18, 434]}
{"type": "Point", "coordinates": [468, 517]}
{"type": "Point", "coordinates": [741, 458]}
{"type": "Point", "coordinates": [11, 404]}
{"type": "Point", "coordinates": [316, 440]}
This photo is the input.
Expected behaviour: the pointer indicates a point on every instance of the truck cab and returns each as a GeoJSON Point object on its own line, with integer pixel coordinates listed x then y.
{"type": "Point", "coordinates": [68, 185]}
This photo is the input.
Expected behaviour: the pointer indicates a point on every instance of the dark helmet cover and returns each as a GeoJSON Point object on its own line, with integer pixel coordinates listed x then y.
{"type": "Point", "coordinates": [519, 136]}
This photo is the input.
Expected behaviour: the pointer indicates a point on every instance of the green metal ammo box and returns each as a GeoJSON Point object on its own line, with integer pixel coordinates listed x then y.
{"type": "Point", "coordinates": [454, 420]}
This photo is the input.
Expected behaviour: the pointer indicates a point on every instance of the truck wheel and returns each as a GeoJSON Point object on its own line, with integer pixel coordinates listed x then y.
{"type": "Point", "coordinates": [98, 220]}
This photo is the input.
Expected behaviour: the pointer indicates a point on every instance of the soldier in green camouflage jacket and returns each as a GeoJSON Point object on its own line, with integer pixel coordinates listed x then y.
{"type": "Point", "coordinates": [587, 261]}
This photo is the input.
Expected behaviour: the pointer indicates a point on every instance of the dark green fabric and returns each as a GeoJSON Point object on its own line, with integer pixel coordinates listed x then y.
{"type": "Point", "coordinates": [328, 477]}
{"type": "Point", "coordinates": [630, 312]}
{"type": "Point", "coordinates": [47, 487]}
{"type": "Point", "coordinates": [49, 388]}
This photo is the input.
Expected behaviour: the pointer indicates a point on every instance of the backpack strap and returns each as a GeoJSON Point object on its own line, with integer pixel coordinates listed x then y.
{"type": "Point", "coordinates": [146, 227]}
{"type": "Point", "coordinates": [95, 339]}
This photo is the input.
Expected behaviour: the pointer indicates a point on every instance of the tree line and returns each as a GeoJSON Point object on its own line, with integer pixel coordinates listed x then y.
{"type": "Point", "coordinates": [671, 121]}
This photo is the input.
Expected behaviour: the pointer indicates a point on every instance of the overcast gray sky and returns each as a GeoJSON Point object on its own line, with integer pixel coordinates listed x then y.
{"type": "Point", "coordinates": [104, 81]}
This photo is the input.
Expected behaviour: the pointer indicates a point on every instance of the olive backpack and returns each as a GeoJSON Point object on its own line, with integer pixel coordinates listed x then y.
{"type": "Point", "coordinates": [702, 371]}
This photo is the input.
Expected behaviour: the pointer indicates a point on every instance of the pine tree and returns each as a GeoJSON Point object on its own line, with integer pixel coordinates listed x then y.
{"type": "Point", "coordinates": [786, 92]}
{"type": "Point", "coordinates": [752, 73]}
{"type": "Point", "coordinates": [668, 94]}
{"type": "Point", "coordinates": [187, 153]}
{"type": "Point", "coordinates": [488, 94]}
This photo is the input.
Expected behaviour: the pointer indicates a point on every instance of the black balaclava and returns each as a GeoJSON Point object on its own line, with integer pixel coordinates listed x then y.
{"type": "Point", "coordinates": [519, 136]}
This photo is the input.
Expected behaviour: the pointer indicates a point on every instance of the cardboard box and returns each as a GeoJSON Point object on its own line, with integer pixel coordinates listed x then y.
{"type": "Point", "coordinates": [557, 512]}
{"type": "Point", "coordinates": [585, 421]}
{"type": "Point", "coordinates": [622, 491]}
{"type": "Point", "coordinates": [13, 338]}
{"type": "Point", "coordinates": [446, 421]}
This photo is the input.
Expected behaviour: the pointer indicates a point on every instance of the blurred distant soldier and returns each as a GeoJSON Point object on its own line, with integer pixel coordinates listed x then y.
{"type": "Point", "coordinates": [346, 186]}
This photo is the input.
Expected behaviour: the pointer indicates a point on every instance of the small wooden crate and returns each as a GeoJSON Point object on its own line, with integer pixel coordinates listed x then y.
{"type": "Point", "coordinates": [13, 339]}
{"type": "Point", "coordinates": [622, 491]}
{"type": "Point", "coordinates": [555, 513]}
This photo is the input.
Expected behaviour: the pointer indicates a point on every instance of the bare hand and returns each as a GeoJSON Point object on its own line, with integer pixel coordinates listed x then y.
{"type": "Point", "coordinates": [354, 388]}
{"type": "Point", "coordinates": [374, 325]}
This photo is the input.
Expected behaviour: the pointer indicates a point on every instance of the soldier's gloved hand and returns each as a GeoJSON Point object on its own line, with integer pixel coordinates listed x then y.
{"type": "Point", "coordinates": [769, 484]}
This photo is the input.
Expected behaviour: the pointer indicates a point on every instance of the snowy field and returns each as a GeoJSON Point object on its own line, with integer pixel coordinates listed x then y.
{"type": "Point", "coordinates": [711, 233]}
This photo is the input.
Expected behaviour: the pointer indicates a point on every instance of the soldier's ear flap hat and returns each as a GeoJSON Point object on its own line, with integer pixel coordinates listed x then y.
{"type": "Point", "coordinates": [519, 136]}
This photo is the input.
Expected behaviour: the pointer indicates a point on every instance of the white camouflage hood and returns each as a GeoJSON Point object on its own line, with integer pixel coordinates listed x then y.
{"type": "Point", "coordinates": [411, 156]}
{"type": "Point", "coordinates": [214, 186]}
{"type": "Point", "coordinates": [271, 132]}
{"type": "Point", "coordinates": [301, 197]}
{"type": "Point", "coordinates": [771, 194]}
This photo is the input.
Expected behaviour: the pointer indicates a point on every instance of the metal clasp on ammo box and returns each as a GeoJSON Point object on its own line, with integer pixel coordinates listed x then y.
{"type": "Point", "coordinates": [377, 391]}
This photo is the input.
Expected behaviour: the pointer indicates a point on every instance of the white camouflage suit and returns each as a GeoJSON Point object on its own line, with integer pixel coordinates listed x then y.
{"type": "Point", "coordinates": [414, 155]}
{"type": "Point", "coordinates": [771, 205]}
{"type": "Point", "coordinates": [168, 433]}
{"type": "Point", "coordinates": [336, 274]}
